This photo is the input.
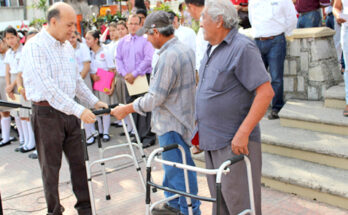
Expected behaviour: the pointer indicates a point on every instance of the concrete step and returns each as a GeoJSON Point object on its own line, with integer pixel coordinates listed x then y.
{"type": "Point", "coordinates": [312, 115]}
{"type": "Point", "coordinates": [316, 147]}
{"type": "Point", "coordinates": [335, 97]}
{"type": "Point", "coordinates": [314, 181]}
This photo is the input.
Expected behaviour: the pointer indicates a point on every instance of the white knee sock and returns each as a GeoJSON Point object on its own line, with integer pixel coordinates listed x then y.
{"type": "Point", "coordinates": [89, 128]}
{"type": "Point", "coordinates": [129, 124]}
{"type": "Point", "coordinates": [20, 129]}
{"type": "Point", "coordinates": [25, 132]}
{"type": "Point", "coordinates": [5, 128]}
{"type": "Point", "coordinates": [100, 125]}
{"type": "Point", "coordinates": [31, 143]}
{"type": "Point", "coordinates": [106, 123]}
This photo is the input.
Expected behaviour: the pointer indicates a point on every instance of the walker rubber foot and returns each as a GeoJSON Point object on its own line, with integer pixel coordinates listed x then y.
{"type": "Point", "coordinates": [108, 197]}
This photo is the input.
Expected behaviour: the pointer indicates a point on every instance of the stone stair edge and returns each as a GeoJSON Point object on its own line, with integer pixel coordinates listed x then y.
{"type": "Point", "coordinates": [305, 182]}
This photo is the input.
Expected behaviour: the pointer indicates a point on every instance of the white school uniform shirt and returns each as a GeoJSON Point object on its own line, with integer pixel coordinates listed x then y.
{"type": "Point", "coordinates": [82, 55]}
{"type": "Point", "coordinates": [272, 17]}
{"type": "Point", "coordinates": [101, 60]}
{"type": "Point", "coordinates": [187, 36]}
{"type": "Point", "coordinates": [13, 59]}
{"type": "Point", "coordinates": [201, 47]}
{"type": "Point", "coordinates": [112, 49]}
{"type": "Point", "coordinates": [2, 65]}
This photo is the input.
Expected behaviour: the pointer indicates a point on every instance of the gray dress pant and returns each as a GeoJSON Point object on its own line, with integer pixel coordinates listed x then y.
{"type": "Point", "coordinates": [234, 185]}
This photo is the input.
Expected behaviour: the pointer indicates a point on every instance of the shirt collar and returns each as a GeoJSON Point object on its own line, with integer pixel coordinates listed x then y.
{"type": "Point", "coordinates": [51, 40]}
{"type": "Point", "coordinates": [228, 39]}
{"type": "Point", "coordinates": [167, 45]}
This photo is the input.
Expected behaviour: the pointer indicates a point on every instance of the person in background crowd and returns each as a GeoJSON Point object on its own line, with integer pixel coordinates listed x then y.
{"type": "Point", "coordinates": [25, 114]}
{"type": "Point", "coordinates": [309, 10]}
{"type": "Point", "coordinates": [232, 96]}
{"type": "Point", "coordinates": [142, 15]}
{"type": "Point", "coordinates": [185, 34]}
{"type": "Point", "coordinates": [83, 60]}
{"type": "Point", "coordinates": [101, 59]}
{"type": "Point", "coordinates": [330, 18]}
{"type": "Point", "coordinates": [12, 60]}
{"type": "Point", "coordinates": [171, 100]}
{"type": "Point", "coordinates": [32, 32]}
{"type": "Point", "coordinates": [134, 56]}
{"type": "Point", "coordinates": [186, 19]}
{"type": "Point", "coordinates": [5, 138]}
{"type": "Point", "coordinates": [52, 82]}
{"type": "Point", "coordinates": [195, 8]}
{"type": "Point", "coordinates": [340, 9]}
{"type": "Point", "coordinates": [148, 5]}
{"type": "Point", "coordinates": [271, 23]}
{"type": "Point", "coordinates": [242, 8]}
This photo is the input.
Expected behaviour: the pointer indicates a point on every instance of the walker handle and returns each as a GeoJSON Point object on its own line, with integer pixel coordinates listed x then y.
{"type": "Point", "coordinates": [170, 147]}
{"type": "Point", "coordinates": [104, 111]}
{"type": "Point", "coordinates": [236, 159]}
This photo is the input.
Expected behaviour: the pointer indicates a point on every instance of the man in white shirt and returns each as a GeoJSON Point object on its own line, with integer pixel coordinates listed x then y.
{"type": "Point", "coordinates": [271, 21]}
{"type": "Point", "coordinates": [195, 8]}
{"type": "Point", "coordinates": [185, 34]}
{"type": "Point", "coordinates": [52, 81]}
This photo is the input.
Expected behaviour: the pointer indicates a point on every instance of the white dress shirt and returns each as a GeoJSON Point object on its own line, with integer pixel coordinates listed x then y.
{"type": "Point", "coordinates": [272, 17]}
{"type": "Point", "coordinates": [13, 59]}
{"type": "Point", "coordinates": [201, 48]}
{"type": "Point", "coordinates": [2, 65]}
{"type": "Point", "coordinates": [187, 36]}
{"type": "Point", "coordinates": [82, 55]}
{"type": "Point", "coordinates": [50, 74]}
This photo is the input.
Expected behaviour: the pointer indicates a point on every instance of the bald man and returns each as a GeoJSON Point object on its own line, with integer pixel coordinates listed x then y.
{"type": "Point", "coordinates": [52, 81]}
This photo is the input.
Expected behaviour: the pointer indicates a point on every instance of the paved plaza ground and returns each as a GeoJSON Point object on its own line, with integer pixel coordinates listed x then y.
{"type": "Point", "coordinates": [22, 191]}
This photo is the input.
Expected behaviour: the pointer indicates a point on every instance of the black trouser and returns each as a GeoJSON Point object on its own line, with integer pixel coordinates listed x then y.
{"type": "Point", "coordinates": [143, 123]}
{"type": "Point", "coordinates": [55, 133]}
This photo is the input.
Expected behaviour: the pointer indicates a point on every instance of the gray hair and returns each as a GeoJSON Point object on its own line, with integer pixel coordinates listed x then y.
{"type": "Point", "coordinates": [165, 31]}
{"type": "Point", "coordinates": [223, 9]}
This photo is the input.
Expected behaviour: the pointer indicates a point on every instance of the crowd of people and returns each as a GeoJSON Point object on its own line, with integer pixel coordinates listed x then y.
{"type": "Point", "coordinates": [215, 85]}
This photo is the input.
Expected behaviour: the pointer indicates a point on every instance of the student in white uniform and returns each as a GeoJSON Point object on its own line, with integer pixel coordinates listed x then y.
{"type": "Point", "coordinates": [101, 59]}
{"type": "Point", "coordinates": [12, 59]}
{"type": "Point", "coordinates": [117, 31]}
{"type": "Point", "coordinates": [5, 138]}
{"type": "Point", "coordinates": [25, 114]}
{"type": "Point", "coordinates": [83, 60]}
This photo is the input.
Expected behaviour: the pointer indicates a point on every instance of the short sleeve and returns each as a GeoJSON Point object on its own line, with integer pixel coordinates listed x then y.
{"type": "Point", "coordinates": [85, 53]}
{"type": "Point", "coordinates": [7, 57]}
{"type": "Point", "coordinates": [251, 71]}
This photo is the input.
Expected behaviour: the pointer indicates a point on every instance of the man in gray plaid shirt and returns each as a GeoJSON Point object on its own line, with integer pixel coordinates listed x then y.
{"type": "Point", "coordinates": [171, 101]}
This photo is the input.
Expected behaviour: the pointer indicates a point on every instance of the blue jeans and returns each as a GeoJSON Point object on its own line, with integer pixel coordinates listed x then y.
{"type": "Point", "coordinates": [330, 21]}
{"type": "Point", "coordinates": [174, 177]}
{"type": "Point", "coordinates": [309, 19]}
{"type": "Point", "coordinates": [273, 55]}
{"type": "Point", "coordinates": [344, 41]}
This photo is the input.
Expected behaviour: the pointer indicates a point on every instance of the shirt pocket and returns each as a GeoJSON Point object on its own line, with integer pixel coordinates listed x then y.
{"type": "Point", "coordinates": [216, 80]}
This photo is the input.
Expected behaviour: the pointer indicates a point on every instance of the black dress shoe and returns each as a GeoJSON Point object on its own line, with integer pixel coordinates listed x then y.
{"type": "Point", "coordinates": [5, 143]}
{"type": "Point", "coordinates": [148, 144]}
{"type": "Point", "coordinates": [116, 125]}
{"type": "Point", "coordinates": [106, 138]}
{"type": "Point", "coordinates": [18, 149]}
{"type": "Point", "coordinates": [23, 150]}
{"type": "Point", "coordinates": [33, 155]}
{"type": "Point", "coordinates": [124, 134]}
{"type": "Point", "coordinates": [273, 115]}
